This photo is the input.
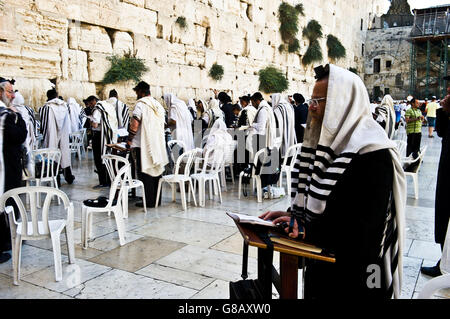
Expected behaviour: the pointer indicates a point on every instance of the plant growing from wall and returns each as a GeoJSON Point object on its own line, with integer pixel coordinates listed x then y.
{"type": "Point", "coordinates": [272, 80]}
{"type": "Point", "coordinates": [124, 68]}
{"type": "Point", "coordinates": [181, 21]}
{"type": "Point", "coordinates": [313, 32]}
{"type": "Point", "coordinates": [216, 72]}
{"type": "Point", "coordinates": [335, 48]}
{"type": "Point", "coordinates": [288, 17]}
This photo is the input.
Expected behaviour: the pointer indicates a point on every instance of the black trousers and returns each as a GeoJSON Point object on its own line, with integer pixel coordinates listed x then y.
{"type": "Point", "coordinates": [150, 182]}
{"type": "Point", "coordinates": [413, 143]}
{"type": "Point", "coordinates": [103, 177]}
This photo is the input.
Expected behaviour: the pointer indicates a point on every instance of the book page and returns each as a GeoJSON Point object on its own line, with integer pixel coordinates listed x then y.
{"type": "Point", "coordinates": [246, 219]}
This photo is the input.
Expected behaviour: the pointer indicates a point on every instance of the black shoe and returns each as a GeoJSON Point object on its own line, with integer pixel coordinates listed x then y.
{"type": "Point", "coordinates": [434, 271]}
{"type": "Point", "coordinates": [4, 257]}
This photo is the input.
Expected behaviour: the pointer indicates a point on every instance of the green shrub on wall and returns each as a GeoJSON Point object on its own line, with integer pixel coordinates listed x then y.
{"type": "Point", "coordinates": [124, 68]}
{"type": "Point", "coordinates": [216, 72]}
{"type": "Point", "coordinates": [272, 80]}
{"type": "Point", "coordinates": [313, 54]}
{"type": "Point", "coordinates": [335, 48]}
{"type": "Point", "coordinates": [288, 17]}
{"type": "Point", "coordinates": [313, 32]}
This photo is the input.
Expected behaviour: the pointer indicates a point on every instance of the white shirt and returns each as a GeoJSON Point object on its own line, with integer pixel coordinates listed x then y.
{"type": "Point", "coordinates": [137, 113]}
{"type": "Point", "coordinates": [260, 123]}
{"type": "Point", "coordinates": [96, 117]}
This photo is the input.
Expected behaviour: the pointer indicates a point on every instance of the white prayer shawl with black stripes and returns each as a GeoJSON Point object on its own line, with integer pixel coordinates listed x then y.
{"type": "Point", "coordinates": [122, 112]}
{"type": "Point", "coordinates": [28, 117]}
{"type": "Point", "coordinates": [386, 115]}
{"type": "Point", "coordinates": [285, 118]}
{"type": "Point", "coordinates": [3, 114]}
{"type": "Point", "coordinates": [348, 129]}
{"type": "Point", "coordinates": [55, 128]}
{"type": "Point", "coordinates": [108, 124]}
{"type": "Point", "coordinates": [74, 113]}
{"type": "Point", "coordinates": [265, 127]}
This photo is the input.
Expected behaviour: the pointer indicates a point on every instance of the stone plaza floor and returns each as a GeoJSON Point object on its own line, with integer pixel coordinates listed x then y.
{"type": "Point", "coordinates": [173, 254]}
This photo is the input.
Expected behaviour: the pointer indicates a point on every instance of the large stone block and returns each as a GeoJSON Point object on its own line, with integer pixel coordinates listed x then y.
{"type": "Point", "coordinates": [33, 90]}
{"type": "Point", "coordinates": [122, 43]}
{"type": "Point", "coordinates": [195, 56]}
{"type": "Point", "coordinates": [29, 61]}
{"type": "Point", "coordinates": [76, 89]}
{"type": "Point", "coordinates": [89, 38]}
{"type": "Point", "coordinates": [98, 65]}
{"type": "Point", "coordinates": [76, 65]}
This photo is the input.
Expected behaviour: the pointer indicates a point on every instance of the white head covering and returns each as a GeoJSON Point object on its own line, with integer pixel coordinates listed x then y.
{"type": "Point", "coordinates": [219, 140]}
{"type": "Point", "coordinates": [75, 110]}
{"type": "Point", "coordinates": [191, 104]}
{"type": "Point", "coordinates": [348, 129]}
{"type": "Point", "coordinates": [183, 129]}
{"type": "Point", "coordinates": [18, 100]}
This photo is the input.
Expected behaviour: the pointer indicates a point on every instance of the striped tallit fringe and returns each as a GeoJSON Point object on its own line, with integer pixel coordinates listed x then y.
{"type": "Point", "coordinates": [33, 119]}
{"type": "Point", "coordinates": [389, 252]}
{"type": "Point", "coordinates": [107, 132]}
{"type": "Point", "coordinates": [125, 116]}
{"type": "Point", "coordinates": [43, 113]}
{"type": "Point", "coordinates": [315, 174]}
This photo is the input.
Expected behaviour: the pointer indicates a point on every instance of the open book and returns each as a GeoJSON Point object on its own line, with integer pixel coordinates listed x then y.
{"type": "Point", "coordinates": [246, 219]}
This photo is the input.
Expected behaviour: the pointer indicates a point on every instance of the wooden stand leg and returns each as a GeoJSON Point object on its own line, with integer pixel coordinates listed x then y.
{"type": "Point", "coordinates": [289, 276]}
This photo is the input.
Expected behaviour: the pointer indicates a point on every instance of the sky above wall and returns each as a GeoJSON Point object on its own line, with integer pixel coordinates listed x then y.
{"type": "Point", "coordinates": [419, 4]}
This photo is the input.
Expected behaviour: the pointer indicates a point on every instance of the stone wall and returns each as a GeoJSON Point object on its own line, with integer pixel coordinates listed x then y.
{"type": "Point", "coordinates": [388, 45]}
{"type": "Point", "coordinates": [66, 43]}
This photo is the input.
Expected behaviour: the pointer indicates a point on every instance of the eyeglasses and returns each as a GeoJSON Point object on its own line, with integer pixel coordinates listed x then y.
{"type": "Point", "coordinates": [315, 101]}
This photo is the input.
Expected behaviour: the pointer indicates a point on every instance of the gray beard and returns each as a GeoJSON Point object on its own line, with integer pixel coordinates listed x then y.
{"type": "Point", "coordinates": [5, 99]}
{"type": "Point", "coordinates": [312, 133]}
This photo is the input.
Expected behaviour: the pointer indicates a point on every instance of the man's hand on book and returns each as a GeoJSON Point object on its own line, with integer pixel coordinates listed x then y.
{"type": "Point", "coordinates": [286, 219]}
{"type": "Point", "coordinates": [273, 215]}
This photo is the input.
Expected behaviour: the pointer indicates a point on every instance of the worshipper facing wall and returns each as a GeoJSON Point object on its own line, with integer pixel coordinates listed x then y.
{"type": "Point", "coordinates": [13, 133]}
{"type": "Point", "coordinates": [179, 120]}
{"type": "Point", "coordinates": [301, 115]}
{"type": "Point", "coordinates": [27, 114]}
{"type": "Point", "coordinates": [147, 141]}
{"type": "Point", "coordinates": [227, 108]}
{"type": "Point", "coordinates": [248, 113]}
{"type": "Point", "coordinates": [56, 129]}
{"type": "Point", "coordinates": [285, 121]}
{"type": "Point", "coordinates": [104, 131]}
{"type": "Point", "coordinates": [122, 110]}
{"type": "Point", "coordinates": [385, 115]}
{"type": "Point", "coordinates": [442, 203]}
{"type": "Point", "coordinates": [414, 120]}
{"type": "Point", "coordinates": [76, 120]}
{"type": "Point", "coordinates": [192, 108]}
{"type": "Point", "coordinates": [349, 194]}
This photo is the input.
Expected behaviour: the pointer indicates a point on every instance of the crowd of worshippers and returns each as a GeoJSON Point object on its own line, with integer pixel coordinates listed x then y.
{"type": "Point", "coordinates": [348, 185]}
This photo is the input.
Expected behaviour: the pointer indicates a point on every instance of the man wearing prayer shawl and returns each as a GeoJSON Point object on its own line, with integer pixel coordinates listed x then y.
{"type": "Point", "coordinates": [181, 120]}
{"type": "Point", "coordinates": [13, 133]}
{"type": "Point", "coordinates": [122, 110]}
{"type": "Point", "coordinates": [75, 115]}
{"type": "Point", "coordinates": [147, 140]}
{"type": "Point", "coordinates": [28, 116]}
{"type": "Point", "coordinates": [262, 133]}
{"type": "Point", "coordinates": [104, 131]}
{"type": "Point", "coordinates": [285, 121]}
{"type": "Point", "coordinates": [385, 115]}
{"type": "Point", "coordinates": [349, 194]}
{"type": "Point", "coordinates": [55, 129]}
{"type": "Point", "coordinates": [192, 108]}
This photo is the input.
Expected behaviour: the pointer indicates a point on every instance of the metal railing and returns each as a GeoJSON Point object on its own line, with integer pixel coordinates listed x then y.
{"type": "Point", "coordinates": [431, 24]}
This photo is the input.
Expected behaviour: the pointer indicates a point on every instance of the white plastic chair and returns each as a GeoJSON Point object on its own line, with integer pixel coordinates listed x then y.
{"type": "Point", "coordinates": [77, 143]}
{"type": "Point", "coordinates": [180, 178]}
{"type": "Point", "coordinates": [114, 207]}
{"type": "Point", "coordinates": [209, 173]}
{"type": "Point", "coordinates": [401, 147]}
{"type": "Point", "coordinates": [287, 168]}
{"type": "Point", "coordinates": [50, 159]}
{"type": "Point", "coordinates": [113, 165]}
{"type": "Point", "coordinates": [35, 227]}
{"type": "Point", "coordinates": [415, 174]}
{"type": "Point", "coordinates": [255, 178]}
{"type": "Point", "coordinates": [176, 146]}
{"type": "Point", "coordinates": [228, 162]}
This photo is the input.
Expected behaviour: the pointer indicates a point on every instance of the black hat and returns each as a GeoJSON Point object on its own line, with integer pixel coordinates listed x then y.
{"type": "Point", "coordinates": [322, 72]}
{"type": "Point", "coordinates": [224, 98]}
{"type": "Point", "coordinates": [90, 98]}
{"type": "Point", "coordinates": [5, 80]}
{"type": "Point", "coordinates": [299, 98]}
{"type": "Point", "coordinates": [142, 86]}
{"type": "Point", "coordinates": [245, 98]}
{"type": "Point", "coordinates": [257, 96]}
